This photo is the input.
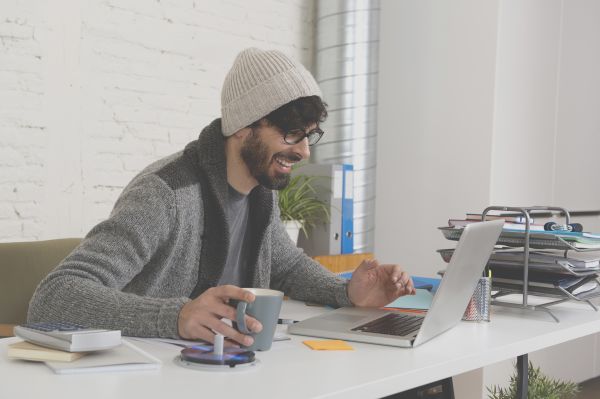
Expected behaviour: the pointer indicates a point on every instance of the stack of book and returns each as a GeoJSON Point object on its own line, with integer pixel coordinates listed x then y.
{"type": "Point", "coordinates": [513, 234]}
{"type": "Point", "coordinates": [124, 357]}
{"type": "Point", "coordinates": [28, 351]}
{"type": "Point", "coordinates": [512, 221]}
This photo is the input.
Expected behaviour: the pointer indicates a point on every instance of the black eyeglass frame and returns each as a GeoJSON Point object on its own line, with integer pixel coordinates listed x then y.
{"type": "Point", "coordinates": [294, 136]}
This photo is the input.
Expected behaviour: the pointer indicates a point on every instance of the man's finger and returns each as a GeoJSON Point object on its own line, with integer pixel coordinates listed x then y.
{"type": "Point", "coordinates": [226, 292]}
{"type": "Point", "coordinates": [223, 310]}
{"type": "Point", "coordinates": [227, 343]}
{"type": "Point", "coordinates": [253, 324]}
{"type": "Point", "coordinates": [406, 282]}
{"type": "Point", "coordinates": [410, 286]}
{"type": "Point", "coordinates": [230, 332]}
{"type": "Point", "coordinates": [200, 332]}
{"type": "Point", "coordinates": [396, 273]}
{"type": "Point", "coordinates": [227, 312]}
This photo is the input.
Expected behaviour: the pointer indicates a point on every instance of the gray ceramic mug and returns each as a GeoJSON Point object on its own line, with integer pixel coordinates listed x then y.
{"type": "Point", "coordinates": [265, 308]}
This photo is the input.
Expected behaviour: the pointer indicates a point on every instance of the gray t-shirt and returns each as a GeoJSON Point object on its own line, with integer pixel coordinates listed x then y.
{"type": "Point", "coordinates": [237, 217]}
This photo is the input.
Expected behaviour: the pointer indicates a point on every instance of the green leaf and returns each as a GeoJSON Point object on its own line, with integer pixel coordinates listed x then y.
{"type": "Point", "coordinates": [298, 201]}
{"type": "Point", "coordinates": [540, 387]}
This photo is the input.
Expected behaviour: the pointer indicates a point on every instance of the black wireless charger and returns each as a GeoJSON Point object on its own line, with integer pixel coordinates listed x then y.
{"type": "Point", "coordinates": [216, 358]}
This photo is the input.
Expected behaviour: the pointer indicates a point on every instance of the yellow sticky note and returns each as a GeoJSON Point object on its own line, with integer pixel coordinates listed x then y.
{"type": "Point", "coordinates": [328, 345]}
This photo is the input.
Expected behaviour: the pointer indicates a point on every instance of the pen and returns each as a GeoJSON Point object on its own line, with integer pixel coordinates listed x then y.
{"type": "Point", "coordinates": [286, 321]}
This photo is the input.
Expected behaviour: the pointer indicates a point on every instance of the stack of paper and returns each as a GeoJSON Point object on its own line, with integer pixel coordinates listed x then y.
{"type": "Point", "coordinates": [507, 225]}
{"type": "Point", "coordinates": [584, 262]}
{"type": "Point", "coordinates": [28, 351]}
{"type": "Point", "coordinates": [571, 283]}
{"type": "Point", "coordinates": [549, 270]}
{"type": "Point", "coordinates": [512, 220]}
{"type": "Point", "coordinates": [126, 357]}
{"type": "Point", "coordinates": [566, 240]}
{"type": "Point", "coordinates": [560, 263]}
{"type": "Point", "coordinates": [421, 301]}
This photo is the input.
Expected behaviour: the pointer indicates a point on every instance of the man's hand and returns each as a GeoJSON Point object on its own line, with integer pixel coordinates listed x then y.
{"type": "Point", "coordinates": [376, 285]}
{"type": "Point", "coordinates": [201, 317]}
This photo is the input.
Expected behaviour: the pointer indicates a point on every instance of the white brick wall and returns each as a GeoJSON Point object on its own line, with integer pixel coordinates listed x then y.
{"type": "Point", "coordinates": [91, 92]}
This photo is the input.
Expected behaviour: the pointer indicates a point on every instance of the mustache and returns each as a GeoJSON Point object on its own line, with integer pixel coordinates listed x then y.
{"type": "Point", "coordinates": [290, 157]}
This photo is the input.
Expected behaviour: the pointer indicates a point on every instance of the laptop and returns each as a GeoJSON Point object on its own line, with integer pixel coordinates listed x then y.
{"type": "Point", "coordinates": [384, 327]}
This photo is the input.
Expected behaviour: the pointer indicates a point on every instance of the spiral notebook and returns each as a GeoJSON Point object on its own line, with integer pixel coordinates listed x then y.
{"type": "Point", "coordinates": [126, 357]}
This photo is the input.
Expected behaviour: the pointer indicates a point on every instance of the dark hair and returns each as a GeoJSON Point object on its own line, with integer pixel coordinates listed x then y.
{"type": "Point", "coordinates": [300, 113]}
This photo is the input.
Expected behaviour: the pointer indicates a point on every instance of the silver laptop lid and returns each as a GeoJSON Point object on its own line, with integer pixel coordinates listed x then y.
{"type": "Point", "coordinates": [460, 279]}
{"type": "Point", "coordinates": [457, 286]}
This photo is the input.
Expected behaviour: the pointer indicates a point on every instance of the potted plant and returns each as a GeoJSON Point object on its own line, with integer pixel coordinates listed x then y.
{"type": "Point", "coordinates": [300, 208]}
{"type": "Point", "coordinates": [540, 387]}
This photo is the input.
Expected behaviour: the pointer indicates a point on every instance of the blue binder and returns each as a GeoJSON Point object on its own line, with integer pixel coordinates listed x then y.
{"type": "Point", "coordinates": [335, 187]}
{"type": "Point", "coordinates": [347, 239]}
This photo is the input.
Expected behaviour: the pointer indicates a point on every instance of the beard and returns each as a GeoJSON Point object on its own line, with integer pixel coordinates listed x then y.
{"type": "Point", "coordinates": [255, 154]}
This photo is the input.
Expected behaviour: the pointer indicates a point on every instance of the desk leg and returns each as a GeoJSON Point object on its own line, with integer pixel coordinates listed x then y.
{"type": "Point", "coordinates": [448, 388]}
{"type": "Point", "coordinates": [444, 387]}
{"type": "Point", "coordinates": [522, 376]}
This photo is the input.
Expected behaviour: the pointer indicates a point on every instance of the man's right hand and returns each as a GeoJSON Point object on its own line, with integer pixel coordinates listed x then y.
{"type": "Point", "coordinates": [201, 317]}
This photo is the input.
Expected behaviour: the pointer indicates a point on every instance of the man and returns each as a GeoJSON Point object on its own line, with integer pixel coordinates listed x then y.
{"type": "Point", "coordinates": [193, 228]}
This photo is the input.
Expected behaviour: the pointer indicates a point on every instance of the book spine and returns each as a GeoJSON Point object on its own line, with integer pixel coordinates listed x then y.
{"type": "Point", "coordinates": [507, 218]}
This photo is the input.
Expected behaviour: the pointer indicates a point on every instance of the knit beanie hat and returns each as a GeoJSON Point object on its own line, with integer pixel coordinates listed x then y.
{"type": "Point", "coordinates": [258, 83]}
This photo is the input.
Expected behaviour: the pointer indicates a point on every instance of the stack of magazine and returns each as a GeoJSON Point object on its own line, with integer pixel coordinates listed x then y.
{"type": "Point", "coordinates": [514, 229]}
{"type": "Point", "coordinates": [561, 263]}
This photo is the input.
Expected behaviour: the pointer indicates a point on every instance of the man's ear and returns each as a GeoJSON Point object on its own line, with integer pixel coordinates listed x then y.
{"type": "Point", "coordinates": [242, 133]}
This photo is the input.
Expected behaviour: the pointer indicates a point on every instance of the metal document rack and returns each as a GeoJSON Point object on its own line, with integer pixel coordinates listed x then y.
{"type": "Point", "coordinates": [528, 239]}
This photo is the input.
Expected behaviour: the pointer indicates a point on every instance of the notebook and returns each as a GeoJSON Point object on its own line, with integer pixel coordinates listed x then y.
{"type": "Point", "coordinates": [379, 326]}
{"type": "Point", "coordinates": [28, 351]}
{"type": "Point", "coordinates": [125, 357]}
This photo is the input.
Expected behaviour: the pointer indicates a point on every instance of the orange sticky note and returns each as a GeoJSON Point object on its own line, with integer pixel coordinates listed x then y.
{"type": "Point", "coordinates": [328, 345]}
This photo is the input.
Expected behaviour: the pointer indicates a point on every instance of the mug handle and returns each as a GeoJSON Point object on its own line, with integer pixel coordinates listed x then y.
{"type": "Point", "coordinates": [240, 317]}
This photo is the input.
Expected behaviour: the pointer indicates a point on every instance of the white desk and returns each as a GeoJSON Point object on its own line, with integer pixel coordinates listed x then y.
{"type": "Point", "coordinates": [291, 370]}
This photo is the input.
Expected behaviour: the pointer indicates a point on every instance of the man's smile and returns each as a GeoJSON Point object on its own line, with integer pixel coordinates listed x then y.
{"type": "Point", "coordinates": [285, 162]}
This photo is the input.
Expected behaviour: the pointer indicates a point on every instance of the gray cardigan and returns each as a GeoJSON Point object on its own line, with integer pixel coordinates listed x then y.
{"type": "Point", "coordinates": [166, 241]}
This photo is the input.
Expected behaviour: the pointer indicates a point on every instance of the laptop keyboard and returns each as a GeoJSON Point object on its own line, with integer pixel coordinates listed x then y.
{"type": "Point", "coordinates": [392, 324]}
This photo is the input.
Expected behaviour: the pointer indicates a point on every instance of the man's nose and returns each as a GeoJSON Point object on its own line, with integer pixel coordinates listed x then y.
{"type": "Point", "coordinates": [303, 148]}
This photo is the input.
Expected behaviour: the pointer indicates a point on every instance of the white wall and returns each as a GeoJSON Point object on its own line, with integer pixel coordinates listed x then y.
{"type": "Point", "coordinates": [437, 74]}
{"type": "Point", "coordinates": [545, 125]}
{"type": "Point", "coordinates": [547, 128]}
{"type": "Point", "coordinates": [525, 103]}
{"type": "Point", "coordinates": [483, 103]}
{"type": "Point", "coordinates": [578, 119]}
{"type": "Point", "coordinates": [486, 103]}
{"type": "Point", "coordinates": [93, 91]}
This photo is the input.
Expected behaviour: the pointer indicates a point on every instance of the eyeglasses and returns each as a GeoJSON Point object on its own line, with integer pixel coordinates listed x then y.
{"type": "Point", "coordinates": [295, 136]}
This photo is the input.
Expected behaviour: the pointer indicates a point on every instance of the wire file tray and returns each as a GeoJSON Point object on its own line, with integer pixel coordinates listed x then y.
{"type": "Point", "coordinates": [528, 239]}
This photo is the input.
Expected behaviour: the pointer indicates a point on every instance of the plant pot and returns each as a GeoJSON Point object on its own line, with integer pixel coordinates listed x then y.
{"type": "Point", "coordinates": [293, 229]}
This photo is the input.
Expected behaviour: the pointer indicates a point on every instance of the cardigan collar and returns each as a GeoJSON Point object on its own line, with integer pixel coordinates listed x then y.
{"type": "Point", "coordinates": [210, 148]}
{"type": "Point", "coordinates": [208, 153]}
